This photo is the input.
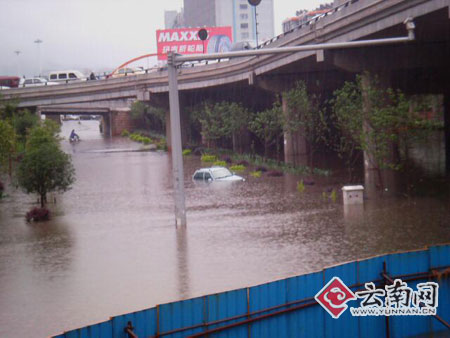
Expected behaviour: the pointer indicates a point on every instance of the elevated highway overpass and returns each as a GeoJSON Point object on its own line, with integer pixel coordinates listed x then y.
{"type": "Point", "coordinates": [352, 20]}
{"type": "Point", "coordinates": [420, 66]}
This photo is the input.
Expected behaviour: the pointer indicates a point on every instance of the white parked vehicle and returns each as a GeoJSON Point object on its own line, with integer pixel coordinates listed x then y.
{"type": "Point", "coordinates": [216, 174]}
{"type": "Point", "coordinates": [128, 71]}
{"type": "Point", "coordinates": [36, 82]}
{"type": "Point", "coordinates": [67, 76]}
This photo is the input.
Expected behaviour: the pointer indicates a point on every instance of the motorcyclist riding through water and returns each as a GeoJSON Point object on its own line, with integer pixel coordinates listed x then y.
{"type": "Point", "coordinates": [74, 136]}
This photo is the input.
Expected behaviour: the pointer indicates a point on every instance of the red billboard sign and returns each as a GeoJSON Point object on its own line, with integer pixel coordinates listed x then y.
{"type": "Point", "coordinates": [186, 41]}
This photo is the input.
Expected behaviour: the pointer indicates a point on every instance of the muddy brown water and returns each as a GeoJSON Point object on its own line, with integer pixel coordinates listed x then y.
{"type": "Point", "coordinates": [112, 247]}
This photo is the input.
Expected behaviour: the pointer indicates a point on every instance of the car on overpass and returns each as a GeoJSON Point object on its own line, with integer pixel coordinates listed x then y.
{"type": "Point", "coordinates": [36, 82]}
{"type": "Point", "coordinates": [67, 76]}
{"type": "Point", "coordinates": [126, 71]}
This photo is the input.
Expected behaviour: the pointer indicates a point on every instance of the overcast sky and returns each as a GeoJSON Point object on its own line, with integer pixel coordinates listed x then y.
{"type": "Point", "coordinates": [90, 34]}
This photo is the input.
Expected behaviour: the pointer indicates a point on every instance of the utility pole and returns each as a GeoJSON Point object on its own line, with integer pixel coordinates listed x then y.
{"type": "Point", "coordinates": [38, 42]}
{"type": "Point", "coordinates": [175, 134]}
{"type": "Point", "coordinates": [17, 52]}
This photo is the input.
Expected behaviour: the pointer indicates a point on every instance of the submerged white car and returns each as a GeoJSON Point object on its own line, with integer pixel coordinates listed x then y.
{"type": "Point", "coordinates": [215, 174]}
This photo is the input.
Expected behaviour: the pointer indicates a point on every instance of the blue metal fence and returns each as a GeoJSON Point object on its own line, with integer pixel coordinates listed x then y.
{"type": "Point", "coordinates": [286, 308]}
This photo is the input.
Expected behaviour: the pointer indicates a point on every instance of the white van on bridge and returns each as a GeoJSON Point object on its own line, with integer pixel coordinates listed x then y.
{"type": "Point", "coordinates": [67, 76]}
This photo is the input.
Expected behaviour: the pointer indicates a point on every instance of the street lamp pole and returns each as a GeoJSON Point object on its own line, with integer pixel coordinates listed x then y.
{"type": "Point", "coordinates": [38, 42]}
{"type": "Point", "coordinates": [255, 3]}
{"type": "Point", "coordinates": [17, 52]}
{"type": "Point", "coordinates": [175, 134]}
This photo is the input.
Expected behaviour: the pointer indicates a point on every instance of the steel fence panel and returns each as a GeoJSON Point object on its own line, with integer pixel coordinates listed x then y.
{"type": "Point", "coordinates": [309, 321]}
{"type": "Point", "coordinates": [369, 270]}
{"type": "Point", "coordinates": [346, 323]}
{"type": "Point", "coordinates": [266, 296]}
{"type": "Point", "coordinates": [226, 305]}
{"type": "Point", "coordinates": [181, 314]}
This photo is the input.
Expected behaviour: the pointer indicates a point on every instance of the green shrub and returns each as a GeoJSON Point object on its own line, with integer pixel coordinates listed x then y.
{"type": "Point", "coordinates": [135, 137]}
{"type": "Point", "coordinates": [187, 152]}
{"type": "Point", "coordinates": [333, 195]}
{"type": "Point", "coordinates": [238, 167]}
{"type": "Point", "coordinates": [146, 140]}
{"type": "Point", "coordinates": [256, 174]}
{"type": "Point", "coordinates": [209, 158]}
{"type": "Point", "coordinates": [220, 163]}
{"type": "Point", "coordinates": [161, 145]}
{"type": "Point", "coordinates": [125, 133]}
{"type": "Point", "coordinates": [300, 186]}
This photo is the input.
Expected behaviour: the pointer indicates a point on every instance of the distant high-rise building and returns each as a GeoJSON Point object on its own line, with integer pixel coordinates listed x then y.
{"type": "Point", "coordinates": [169, 19]}
{"type": "Point", "coordinates": [238, 14]}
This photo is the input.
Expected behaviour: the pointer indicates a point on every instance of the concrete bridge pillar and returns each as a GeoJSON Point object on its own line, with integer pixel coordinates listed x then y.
{"type": "Point", "coordinates": [295, 145]}
{"type": "Point", "coordinates": [120, 120]}
{"type": "Point", "coordinates": [105, 126]}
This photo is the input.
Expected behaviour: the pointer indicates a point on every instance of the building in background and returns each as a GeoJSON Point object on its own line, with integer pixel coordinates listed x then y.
{"type": "Point", "coordinates": [237, 14]}
{"type": "Point", "coordinates": [303, 16]}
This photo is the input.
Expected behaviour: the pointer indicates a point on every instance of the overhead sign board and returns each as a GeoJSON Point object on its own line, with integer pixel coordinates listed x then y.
{"type": "Point", "coordinates": [187, 41]}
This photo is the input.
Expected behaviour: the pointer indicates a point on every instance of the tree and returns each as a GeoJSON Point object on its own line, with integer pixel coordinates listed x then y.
{"type": "Point", "coordinates": [376, 121]}
{"type": "Point", "coordinates": [303, 115]}
{"type": "Point", "coordinates": [44, 167]}
{"type": "Point", "coordinates": [23, 121]}
{"type": "Point", "coordinates": [267, 125]}
{"type": "Point", "coordinates": [148, 116]}
{"type": "Point", "coordinates": [225, 121]}
{"type": "Point", "coordinates": [7, 143]}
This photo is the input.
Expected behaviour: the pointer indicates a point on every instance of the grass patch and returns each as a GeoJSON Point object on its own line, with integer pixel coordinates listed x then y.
{"type": "Point", "coordinates": [187, 152]}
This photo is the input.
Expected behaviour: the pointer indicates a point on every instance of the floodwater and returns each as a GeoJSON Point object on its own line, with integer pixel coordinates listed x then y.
{"type": "Point", "coordinates": [112, 247]}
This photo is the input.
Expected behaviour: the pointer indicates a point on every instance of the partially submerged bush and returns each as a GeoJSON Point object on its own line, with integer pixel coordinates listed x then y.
{"type": "Point", "coordinates": [209, 158]}
{"type": "Point", "coordinates": [256, 174]}
{"type": "Point", "coordinates": [161, 145]}
{"type": "Point", "coordinates": [300, 186]}
{"type": "Point", "coordinates": [38, 214]}
{"type": "Point", "coordinates": [220, 163]}
{"type": "Point", "coordinates": [238, 167]}
{"type": "Point", "coordinates": [187, 152]}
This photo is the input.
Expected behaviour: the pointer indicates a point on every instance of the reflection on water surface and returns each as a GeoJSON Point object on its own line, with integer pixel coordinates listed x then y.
{"type": "Point", "coordinates": [112, 247]}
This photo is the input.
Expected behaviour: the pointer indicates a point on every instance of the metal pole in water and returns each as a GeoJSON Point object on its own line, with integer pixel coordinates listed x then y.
{"type": "Point", "coordinates": [175, 131]}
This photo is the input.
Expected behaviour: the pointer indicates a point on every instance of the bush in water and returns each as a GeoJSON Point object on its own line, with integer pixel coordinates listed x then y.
{"type": "Point", "coordinates": [38, 214]}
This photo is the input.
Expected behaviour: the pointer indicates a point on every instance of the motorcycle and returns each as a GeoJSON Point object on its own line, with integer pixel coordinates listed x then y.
{"type": "Point", "coordinates": [74, 139]}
